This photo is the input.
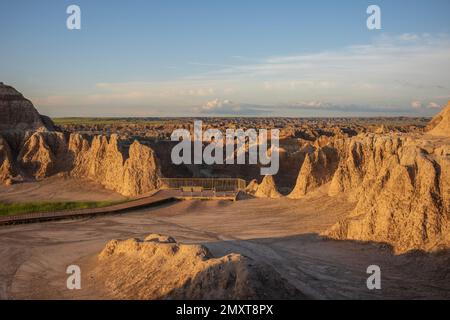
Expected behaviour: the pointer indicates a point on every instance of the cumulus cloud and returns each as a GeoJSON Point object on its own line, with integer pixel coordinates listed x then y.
{"type": "Point", "coordinates": [312, 104]}
{"type": "Point", "coordinates": [383, 74]}
{"type": "Point", "coordinates": [228, 107]}
{"type": "Point", "coordinates": [416, 104]}
{"type": "Point", "coordinates": [433, 105]}
{"type": "Point", "coordinates": [218, 104]}
{"type": "Point", "coordinates": [419, 105]}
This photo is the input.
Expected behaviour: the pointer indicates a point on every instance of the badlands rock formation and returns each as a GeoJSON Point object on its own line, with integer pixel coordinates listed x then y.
{"type": "Point", "coordinates": [402, 193]}
{"type": "Point", "coordinates": [18, 113]}
{"type": "Point", "coordinates": [6, 162]}
{"type": "Point", "coordinates": [161, 268]}
{"type": "Point", "coordinates": [252, 187]}
{"type": "Point", "coordinates": [44, 154]}
{"type": "Point", "coordinates": [103, 161]}
{"type": "Point", "coordinates": [317, 169]}
{"type": "Point", "coordinates": [440, 125]}
{"type": "Point", "coordinates": [28, 148]}
{"type": "Point", "coordinates": [267, 189]}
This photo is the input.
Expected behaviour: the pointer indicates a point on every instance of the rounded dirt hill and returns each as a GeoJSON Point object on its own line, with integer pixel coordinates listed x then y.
{"type": "Point", "coordinates": [160, 268]}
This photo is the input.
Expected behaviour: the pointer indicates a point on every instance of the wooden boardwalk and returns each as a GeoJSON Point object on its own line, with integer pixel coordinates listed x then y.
{"type": "Point", "coordinates": [159, 198]}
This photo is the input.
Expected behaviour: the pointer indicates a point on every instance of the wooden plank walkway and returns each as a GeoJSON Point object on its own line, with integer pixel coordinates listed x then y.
{"type": "Point", "coordinates": [159, 198]}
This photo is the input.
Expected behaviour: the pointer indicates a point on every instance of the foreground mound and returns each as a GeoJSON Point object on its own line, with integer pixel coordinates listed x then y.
{"type": "Point", "coordinates": [161, 268]}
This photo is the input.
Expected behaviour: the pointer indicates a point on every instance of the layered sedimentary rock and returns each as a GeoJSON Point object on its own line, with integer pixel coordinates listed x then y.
{"type": "Point", "coordinates": [44, 154]}
{"type": "Point", "coordinates": [16, 112]}
{"type": "Point", "coordinates": [402, 193]}
{"type": "Point", "coordinates": [267, 189]}
{"type": "Point", "coordinates": [103, 161]}
{"type": "Point", "coordinates": [440, 125]}
{"type": "Point", "coordinates": [6, 162]}
{"type": "Point", "coordinates": [48, 153]}
{"type": "Point", "coordinates": [317, 169]}
{"type": "Point", "coordinates": [29, 146]}
{"type": "Point", "coordinates": [161, 268]}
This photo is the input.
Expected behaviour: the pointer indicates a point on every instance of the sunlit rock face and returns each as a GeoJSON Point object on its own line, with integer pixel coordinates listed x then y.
{"type": "Point", "coordinates": [103, 161]}
{"type": "Point", "coordinates": [30, 146]}
{"type": "Point", "coordinates": [440, 125]}
{"type": "Point", "coordinates": [401, 190]}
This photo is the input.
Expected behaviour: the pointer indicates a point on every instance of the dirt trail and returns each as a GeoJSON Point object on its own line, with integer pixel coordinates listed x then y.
{"type": "Point", "coordinates": [281, 233]}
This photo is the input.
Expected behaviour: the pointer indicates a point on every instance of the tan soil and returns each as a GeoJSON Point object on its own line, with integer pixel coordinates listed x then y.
{"type": "Point", "coordinates": [57, 189]}
{"type": "Point", "coordinates": [35, 257]}
{"type": "Point", "coordinates": [160, 268]}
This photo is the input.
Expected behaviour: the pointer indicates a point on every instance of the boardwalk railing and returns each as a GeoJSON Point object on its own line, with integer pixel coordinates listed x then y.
{"type": "Point", "coordinates": [216, 184]}
{"type": "Point", "coordinates": [159, 198]}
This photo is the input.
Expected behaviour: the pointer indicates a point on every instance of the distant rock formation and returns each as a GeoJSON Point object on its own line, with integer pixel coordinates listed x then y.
{"type": "Point", "coordinates": [161, 268]}
{"type": "Point", "coordinates": [18, 113]}
{"type": "Point", "coordinates": [440, 125]}
{"type": "Point", "coordinates": [267, 189]}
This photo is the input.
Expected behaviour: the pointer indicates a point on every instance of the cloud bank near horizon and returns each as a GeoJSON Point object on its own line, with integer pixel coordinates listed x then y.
{"type": "Point", "coordinates": [393, 74]}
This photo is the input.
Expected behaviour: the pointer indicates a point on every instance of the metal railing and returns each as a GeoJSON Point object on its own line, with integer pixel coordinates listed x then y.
{"type": "Point", "coordinates": [216, 184]}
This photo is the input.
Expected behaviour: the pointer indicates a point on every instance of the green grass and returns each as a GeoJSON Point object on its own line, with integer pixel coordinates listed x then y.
{"type": "Point", "coordinates": [9, 209]}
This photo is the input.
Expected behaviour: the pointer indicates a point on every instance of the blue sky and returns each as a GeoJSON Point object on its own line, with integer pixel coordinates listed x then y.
{"type": "Point", "coordinates": [197, 57]}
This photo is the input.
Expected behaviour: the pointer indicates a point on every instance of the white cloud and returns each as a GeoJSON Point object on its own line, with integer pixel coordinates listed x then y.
{"type": "Point", "coordinates": [416, 104]}
{"type": "Point", "coordinates": [312, 104]}
{"type": "Point", "coordinates": [385, 73]}
{"type": "Point", "coordinates": [218, 104]}
{"type": "Point", "coordinates": [433, 105]}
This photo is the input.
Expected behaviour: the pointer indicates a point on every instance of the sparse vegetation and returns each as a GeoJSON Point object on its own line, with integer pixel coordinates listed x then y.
{"type": "Point", "coordinates": [9, 209]}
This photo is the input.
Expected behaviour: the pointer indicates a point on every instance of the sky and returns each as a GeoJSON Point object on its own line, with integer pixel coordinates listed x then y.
{"type": "Point", "coordinates": [228, 58]}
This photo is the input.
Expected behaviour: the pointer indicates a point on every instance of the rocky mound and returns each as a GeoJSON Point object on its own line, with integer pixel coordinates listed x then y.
{"type": "Point", "coordinates": [402, 193]}
{"type": "Point", "coordinates": [252, 187]}
{"type": "Point", "coordinates": [18, 113]}
{"type": "Point", "coordinates": [267, 189]}
{"type": "Point", "coordinates": [103, 161]}
{"type": "Point", "coordinates": [440, 125]}
{"type": "Point", "coordinates": [44, 154]}
{"type": "Point", "coordinates": [6, 162]}
{"type": "Point", "coordinates": [316, 170]}
{"type": "Point", "coordinates": [161, 268]}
